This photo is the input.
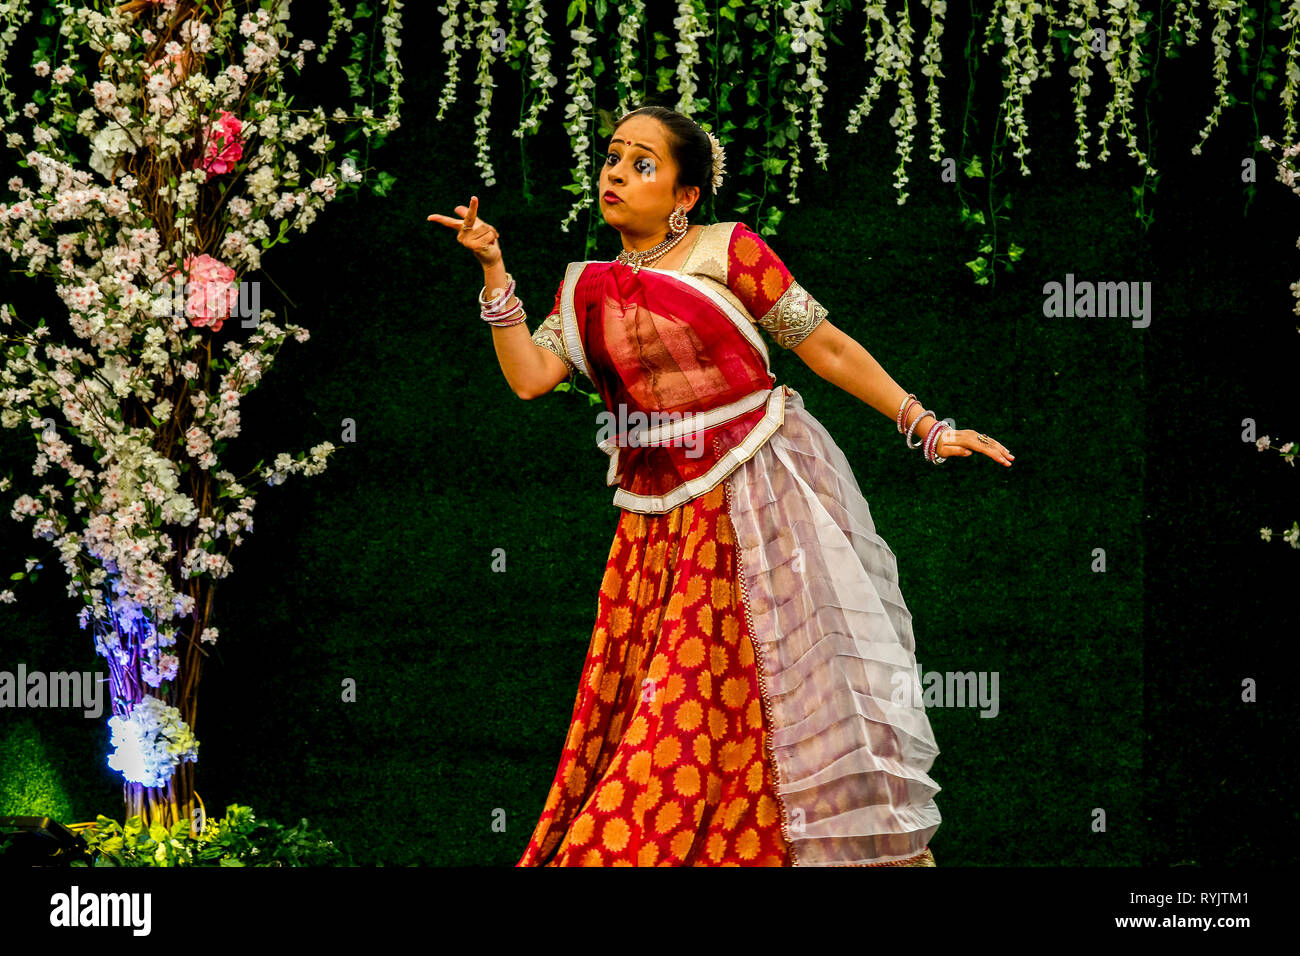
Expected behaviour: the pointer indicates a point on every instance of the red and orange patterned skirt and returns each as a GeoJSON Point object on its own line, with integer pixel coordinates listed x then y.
{"type": "Point", "coordinates": [667, 760]}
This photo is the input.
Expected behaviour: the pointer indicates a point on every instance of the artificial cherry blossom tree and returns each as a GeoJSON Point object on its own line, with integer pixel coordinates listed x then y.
{"type": "Point", "coordinates": [197, 165]}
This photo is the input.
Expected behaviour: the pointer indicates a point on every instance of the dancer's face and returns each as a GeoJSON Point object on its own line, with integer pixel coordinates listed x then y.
{"type": "Point", "coordinates": [640, 170]}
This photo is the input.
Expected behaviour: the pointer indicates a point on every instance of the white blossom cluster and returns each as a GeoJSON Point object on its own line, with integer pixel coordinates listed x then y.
{"type": "Point", "coordinates": [150, 743]}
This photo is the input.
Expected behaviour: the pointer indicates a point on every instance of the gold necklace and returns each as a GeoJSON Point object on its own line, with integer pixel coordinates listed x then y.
{"type": "Point", "coordinates": [638, 259]}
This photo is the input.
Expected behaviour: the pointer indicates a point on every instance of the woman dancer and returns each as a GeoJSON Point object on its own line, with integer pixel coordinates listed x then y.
{"type": "Point", "coordinates": [750, 695]}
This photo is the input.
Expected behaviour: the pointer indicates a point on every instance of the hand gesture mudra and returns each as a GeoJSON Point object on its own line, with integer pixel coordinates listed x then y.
{"type": "Point", "coordinates": [473, 233]}
{"type": "Point", "coordinates": [964, 441]}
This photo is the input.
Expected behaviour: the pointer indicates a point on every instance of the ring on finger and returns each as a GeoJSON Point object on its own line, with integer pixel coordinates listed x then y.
{"type": "Point", "coordinates": [985, 439]}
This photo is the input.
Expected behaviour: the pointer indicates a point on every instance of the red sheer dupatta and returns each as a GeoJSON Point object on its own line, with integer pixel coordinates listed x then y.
{"type": "Point", "coordinates": [662, 349]}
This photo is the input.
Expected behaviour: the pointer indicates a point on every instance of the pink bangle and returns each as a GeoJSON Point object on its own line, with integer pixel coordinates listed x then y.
{"type": "Point", "coordinates": [903, 409]}
{"type": "Point", "coordinates": [502, 313]}
{"type": "Point", "coordinates": [497, 316]}
{"type": "Point", "coordinates": [506, 318]}
{"type": "Point", "coordinates": [932, 442]}
{"type": "Point", "coordinates": [492, 316]}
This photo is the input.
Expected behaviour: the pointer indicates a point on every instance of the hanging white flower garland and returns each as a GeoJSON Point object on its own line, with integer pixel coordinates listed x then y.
{"type": "Point", "coordinates": [539, 59]}
{"type": "Point", "coordinates": [1111, 31]}
{"type": "Point", "coordinates": [577, 114]}
{"type": "Point", "coordinates": [631, 17]}
{"type": "Point", "coordinates": [931, 56]}
{"type": "Point", "coordinates": [489, 35]}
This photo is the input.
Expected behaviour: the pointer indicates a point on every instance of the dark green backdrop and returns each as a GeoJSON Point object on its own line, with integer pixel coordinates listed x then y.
{"type": "Point", "coordinates": [1119, 690]}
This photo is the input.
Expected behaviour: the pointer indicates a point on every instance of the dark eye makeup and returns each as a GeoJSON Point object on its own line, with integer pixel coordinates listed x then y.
{"type": "Point", "coordinates": [643, 159]}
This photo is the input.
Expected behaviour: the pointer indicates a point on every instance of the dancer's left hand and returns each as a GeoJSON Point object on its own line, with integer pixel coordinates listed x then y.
{"type": "Point", "coordinates": [961, 442]}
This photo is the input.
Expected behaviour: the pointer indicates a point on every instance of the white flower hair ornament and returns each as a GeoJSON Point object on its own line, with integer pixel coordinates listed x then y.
{"type": "Point", "coordinates": [719, 161]}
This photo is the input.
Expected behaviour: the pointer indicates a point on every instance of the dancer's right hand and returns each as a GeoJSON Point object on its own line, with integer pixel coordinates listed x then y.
{"type": "Point", "coordinates": [473, 233]}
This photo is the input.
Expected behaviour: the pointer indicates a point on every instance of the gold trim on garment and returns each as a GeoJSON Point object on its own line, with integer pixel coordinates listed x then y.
{"type": "Point", "coordinates": [550, 336]}
{"type": "Point", "coordinates": [763, 429]}
{"type": "Point", "coordinates": [793, 317]}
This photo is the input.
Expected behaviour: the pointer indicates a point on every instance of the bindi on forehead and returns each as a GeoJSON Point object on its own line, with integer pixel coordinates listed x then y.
{"type": "Point", "coordinates": [630, 143]}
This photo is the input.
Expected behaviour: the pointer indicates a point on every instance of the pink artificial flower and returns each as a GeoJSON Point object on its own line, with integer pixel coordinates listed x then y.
{"type": "Point", "coordinates": [224, 147]}
{"type": "Point", "coordinates": [210, 294]}
{"type": "Point", "coordinates": [176, 66]}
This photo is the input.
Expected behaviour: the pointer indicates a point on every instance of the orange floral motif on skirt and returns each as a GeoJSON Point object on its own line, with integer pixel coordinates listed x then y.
{"type": "Point", "coordinates": [664, 763]}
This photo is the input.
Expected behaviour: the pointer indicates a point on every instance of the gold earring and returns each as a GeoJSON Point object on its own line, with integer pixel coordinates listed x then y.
{"type": "Point", "coordinates": [677, 222]}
